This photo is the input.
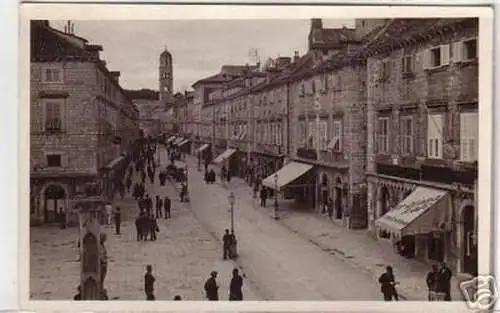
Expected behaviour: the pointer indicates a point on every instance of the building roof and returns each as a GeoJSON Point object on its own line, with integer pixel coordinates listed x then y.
{"type": "Point", "coordinates": [47, 45]}
{"type": "Point", "coordinates": [331, 37]}
{"type": "Point", "coordinates": [399, 31]}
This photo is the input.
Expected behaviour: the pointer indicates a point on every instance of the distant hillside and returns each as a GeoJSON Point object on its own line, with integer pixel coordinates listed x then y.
{"type": "Point", "coordinates": [146, 94]}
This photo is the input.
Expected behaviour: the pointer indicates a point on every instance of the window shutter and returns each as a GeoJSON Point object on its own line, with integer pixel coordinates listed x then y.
{"type": "Point", "coordinates": [426, 59]}
{"type": "Point", "coordinates": [64, 160]}
{"type": "Point", "coordinates": [457, 51]}
{"type": "Point", "coordinates": [445, 54]}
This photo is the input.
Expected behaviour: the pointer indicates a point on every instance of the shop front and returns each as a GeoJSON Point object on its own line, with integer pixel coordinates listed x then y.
{"type": "Point", "coordinates": [419, 225]}
{"type": "Point", "coordinates": [294, 180]}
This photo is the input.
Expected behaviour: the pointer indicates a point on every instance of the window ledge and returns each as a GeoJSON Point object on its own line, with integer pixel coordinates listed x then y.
{"type": "Point", "coordinates": [435, 69]}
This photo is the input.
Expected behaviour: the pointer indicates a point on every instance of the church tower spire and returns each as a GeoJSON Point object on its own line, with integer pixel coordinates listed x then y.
{"type": "Point", "coordinates": [165, 75]}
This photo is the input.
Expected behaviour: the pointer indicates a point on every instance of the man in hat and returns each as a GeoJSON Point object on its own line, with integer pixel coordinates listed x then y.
{"type": "Point", "coordinates": [211, 288]}
{"type": "Point", "coordinates": [149, 281]}
{"type": "Point", "coordinates": [235, 292]}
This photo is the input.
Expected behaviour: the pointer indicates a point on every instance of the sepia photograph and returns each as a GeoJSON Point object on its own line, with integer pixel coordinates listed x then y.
{"type": "Point", "coordinates": [298, 159]}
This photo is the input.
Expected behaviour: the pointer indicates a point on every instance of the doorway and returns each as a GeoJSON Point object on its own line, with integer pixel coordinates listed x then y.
{"type": "Point", "coordinates": [338, 199]}
{"type": "Point", "coordinates": [55, 197]}
{"type": "Point", "coordinates": [384, 205]}
{"type": "Point", "coordinates": [470, 245]}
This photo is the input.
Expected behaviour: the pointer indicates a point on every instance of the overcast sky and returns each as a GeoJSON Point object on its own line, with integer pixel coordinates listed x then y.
{"type": "Point", "coordinates": [199, 47]}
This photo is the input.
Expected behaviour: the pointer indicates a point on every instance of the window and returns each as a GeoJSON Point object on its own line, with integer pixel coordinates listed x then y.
{"type": "Point", "coordinates": [407, 64]}
{"type": "Point", "coordinates": [311, 134]}
{"type": "Point", "coordinates": [435, 136]}
{"type": "Point", "coordinates": [336, 143]}
{"type": "Point", "coordinates": [470, 49]}
{"type": "Point", "coordinates": [53, 116]}
{"type": "Point", "coordinates": [407, 135]}
{"type": "Point", "coordinates": [323, 135]}
{"type": "Point", "coordinates": [54, 160]}
{"type": "Point", "coordinates": [386, 69]}
{"type": "Point", "coordinates": [437, 56]}
{"type": "Point", "coordinates": [465, 50]}
{"type": "Point", "coordinates": [279, 134]}
{"type": "Point", "coordinates": [302, 133]}
{"type": "Point", "coordinates": [52, 75]}
{"type": "Point", "coordinates": [325, 82]}
{"type": "Point", "coordinates": [383, 135]}
{"type": "Point", "coordinates": [468, 136]}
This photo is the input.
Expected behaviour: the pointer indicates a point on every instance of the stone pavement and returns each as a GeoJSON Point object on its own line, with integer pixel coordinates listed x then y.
{"type": "Point", "coordinates": [354, 246]}
{"type": "Point", "coordinates": [283, 265]}
{"type": "Point", "coordinates": [182, 258]}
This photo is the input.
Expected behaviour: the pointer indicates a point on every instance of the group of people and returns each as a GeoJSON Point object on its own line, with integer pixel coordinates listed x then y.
{"type": "Point", "coordinates": [235, 287]}
{"type": "Point", "coordinates": [438, 282]}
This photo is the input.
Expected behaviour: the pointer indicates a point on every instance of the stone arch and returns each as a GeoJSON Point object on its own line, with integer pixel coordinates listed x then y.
{"type": "Point", "coordinates": [466, 236]}
{"type": "Point", "coordinates": [464, 204]}
{"type": "Point", "coordinates": [45, 214]}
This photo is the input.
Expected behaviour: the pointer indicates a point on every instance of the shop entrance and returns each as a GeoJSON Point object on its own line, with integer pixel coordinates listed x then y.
{"type": "Point", "coordinates": [55, 197]}
{"type": "Point", "coordinates": [470, 245]}
{"type": "Point", "coordinates": [338, 199]}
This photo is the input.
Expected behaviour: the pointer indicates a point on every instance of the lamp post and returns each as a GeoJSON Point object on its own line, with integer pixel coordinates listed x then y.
{"type": "Point", "coordinates": [231, 200]}
{"type": "Point", "coordinates": [276, 207]}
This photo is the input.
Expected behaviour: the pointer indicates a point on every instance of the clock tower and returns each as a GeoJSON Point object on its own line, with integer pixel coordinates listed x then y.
{"type": "Point", "coordinates": [166, 75]}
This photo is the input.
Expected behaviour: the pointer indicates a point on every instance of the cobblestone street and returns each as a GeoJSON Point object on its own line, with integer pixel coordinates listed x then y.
{"type": "Point", "coordinates": [182, 258]}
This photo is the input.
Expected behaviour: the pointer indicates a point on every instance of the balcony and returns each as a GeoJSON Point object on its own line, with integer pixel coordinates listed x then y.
{"type": "Point", "coordinates": [53, 126]}
{"type": "Point", "coordinates": [398, 171]}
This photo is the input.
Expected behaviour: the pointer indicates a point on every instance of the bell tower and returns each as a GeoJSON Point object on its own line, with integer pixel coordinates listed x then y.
{"type": "Point", "coordinates": [166, 75]}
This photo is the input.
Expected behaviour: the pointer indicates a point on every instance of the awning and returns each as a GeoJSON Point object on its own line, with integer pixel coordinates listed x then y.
{"type": "Point", "coordinates": [178, 141]}
{"type": "Point", "coordinates": [422, 212]}
{"type": "Point", "coordinates": [170, 139]}
{"type": "Point", "coordinates": [224, 155]}
{"type": "Point", "coordinates": [115, 162]}
{"type": "Point", "coordinates": [286, 175]}
{"type": "Point", "coordinates": [185, 141]}
{"type": "Point", "coordinates": [203, 147]}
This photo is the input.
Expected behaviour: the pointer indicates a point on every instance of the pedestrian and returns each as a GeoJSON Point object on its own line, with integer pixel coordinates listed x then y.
{"type": "Point", "coordinates": [166, 206]}
{"type": "Point", "coordinates": [154, 227]}
{"type": "Point", "coordinates": [149, 282]}
{"type": "Point", "coordinates": [62, 218]}
{"type": "Point", "coordinates": [159, 205]}
{"type": "Point", "coordinates": [118, 220]}
{"type": "Point", "coordinates": [212, 176]}
{"type": "Point", "coordinates": [330, 208]}
{"type": "Point", "coordinates": [235, 292]}
{"type": "Point", "coordinates": [444, 278]}
{"type": "Point", "coordinates": [177, 298]}
{"type": "Point", "coordinates": [78, 296]}
{"type": "Point", "coordinates": [184, 191]}
{"type": "Point", "coordinates": [109, 211]}
{"type": "Point", "coordinates": [388, 285]}
{"type": "Point", "coordinates": [263, 196]}
{"type": "Point", "coordinates": [103, 259]}
{"type": "Point", "coordinates": [138, 226]}
{"type": "Point", "coordinates": [432, 281]}
{"type": "Point", "coordinates": [255, 188]}
{"type": "Point", "coordinates": [226, 245]}
{"type": "Point", "coordinates": [211, 288]}
{"type": "Point", "coordinates": [129, 182]}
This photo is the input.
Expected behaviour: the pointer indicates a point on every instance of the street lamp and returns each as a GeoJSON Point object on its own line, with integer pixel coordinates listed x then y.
{"type": "Point", "coordinates": [276, 207]}
{"type": "Point", "coordinates": [231, 200]}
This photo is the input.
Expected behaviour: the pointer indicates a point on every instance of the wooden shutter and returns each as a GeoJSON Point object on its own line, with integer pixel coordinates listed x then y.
{"type": "Point", "coordinates": [468, 136]}
{"type": "Point", "coordinates": [426, 59]}
{"type": "Point", "coordinates": [457, 51]}
{"type": "Point", "coordinates": [445, 54]}
{"type": "Point", "coordinates": [435, 135]}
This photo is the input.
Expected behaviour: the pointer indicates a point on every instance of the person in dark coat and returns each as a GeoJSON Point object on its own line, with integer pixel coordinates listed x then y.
{"type": "Point", "coordinates": [226, 245]}
{"type": "Point", "coordinates": [128, 183]}
{"type": "Point", "coordinates": [263, 196]}
{"type": "Point", "coordinates": [212, 176]}
{"type": "Point", "coordinates": [78, 296]}
{"type": "Point", "coordinates": [255, 188]}
{"type": "Point", "coordinates": [444, 278]}
{"type": "Point", "coordinates": [138, 226]}
{"type": "Point", "coordinates": [166, 206]}
{"type": "Point", "coordinates": [388, 285]}
{"type": "Point", "coordinates": [330, 208]}
{"type": "Point", "coordinates": [159, 206]}
{"type": "Point", "coordinates": [153, 224]}
{"type": "Point", "coordinates": [184, 190]}
{"type": "Point", "coordinates": [235, 292]}
{"type": "Point", "coordinates": [118, 220]}
{"type": "Point", "coordinates": [149, 283]}
{"type": "Point", "coordinates": [432, 280]}
{"type": "Point", "coordinates": [143, 176]}
{"type": "Point", "coordinates": [211, 288]}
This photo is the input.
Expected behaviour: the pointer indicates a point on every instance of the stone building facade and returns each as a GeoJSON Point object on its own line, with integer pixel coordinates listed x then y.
{"type": "Point", "coordinates": [422, 132]}
{"type": "Point", "coordinates": [81, 123]}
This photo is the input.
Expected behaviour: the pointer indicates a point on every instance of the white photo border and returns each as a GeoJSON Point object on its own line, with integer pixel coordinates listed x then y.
{"type": "Point", "coordinates": [186, 12]}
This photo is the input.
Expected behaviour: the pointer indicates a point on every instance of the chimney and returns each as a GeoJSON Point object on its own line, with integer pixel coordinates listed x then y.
{"type": "Point", "coordinates": [296, 56]}
{"type": "Point", "coordinates": [116, 76]}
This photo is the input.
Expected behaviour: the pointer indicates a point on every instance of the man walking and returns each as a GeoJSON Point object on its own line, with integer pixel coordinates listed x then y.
{"type": "Point", "coordinates": [444, 278]}
{"type": "Point", "coordinates": [263, 196]}
{"type": "Point", "coordinates": [149, 281]}
{"type": "Point", "coordinates": [432, 281]}
{"type": "Point", "coordinates": [388, 284]}
{"type": "Point", "coordinates": [118, 220]}
{"type": "Point", "coordinates": [166, 205]}
{"type": "Point", "coordinates": [226, 240]}
{"type": "Point", "coordinates": [159, 205]}
{"type": "Point", "coordinates": [109, 212]}
{"type": "Point", "coordinates": [235, 292]}
{"type": "Point", "coordinates": [211, 288]}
